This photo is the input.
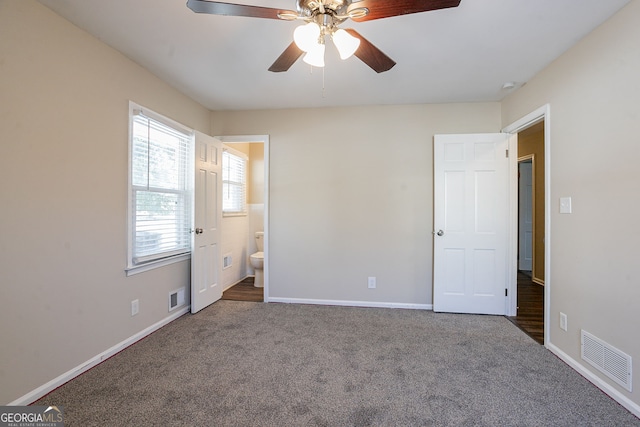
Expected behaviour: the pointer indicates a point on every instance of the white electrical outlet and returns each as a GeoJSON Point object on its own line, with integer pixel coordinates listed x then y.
{"type": "Point", "coordinates": [135, 307]}
{"type": "Point", "coordinates": [371, 281]}
{"type": "Point", "coordinates": [563, 321]}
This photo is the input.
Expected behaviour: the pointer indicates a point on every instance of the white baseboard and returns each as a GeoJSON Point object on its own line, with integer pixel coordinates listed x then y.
{"type": "Point", "coordinates": [607, 388]}
{"type": "Point", "coordinates": [36, 394]}
{"type": "Point", "coordinates": [352, 303]}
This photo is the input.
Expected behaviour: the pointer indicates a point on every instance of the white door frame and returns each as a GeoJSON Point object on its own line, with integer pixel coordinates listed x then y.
{"type": "Point", "coordinates": [542, 114]}
{"type": "Point", "coordinates": [265, 140]}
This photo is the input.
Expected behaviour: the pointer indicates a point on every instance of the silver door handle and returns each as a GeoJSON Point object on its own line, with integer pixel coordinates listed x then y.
{"type": "Point", "coordinates": [199, 231]}
{"type": "Point", "coordinates": [439, 233]}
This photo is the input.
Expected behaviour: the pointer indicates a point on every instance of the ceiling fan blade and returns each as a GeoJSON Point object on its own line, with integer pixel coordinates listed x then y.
{"type": "Point", "coordinates": [385, 9]}
{"type": "Point", "coordinates": [371, 55]}
{"type": "Point", "coordinates": [287, 58]}
{"type": "Point", "coordinates": [231, 9]}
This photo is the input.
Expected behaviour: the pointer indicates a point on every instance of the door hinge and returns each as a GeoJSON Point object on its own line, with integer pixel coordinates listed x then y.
{"type": "Point", "coordinates": [506, 153]}
{"type": "Point", "coordinates": [506, 292]}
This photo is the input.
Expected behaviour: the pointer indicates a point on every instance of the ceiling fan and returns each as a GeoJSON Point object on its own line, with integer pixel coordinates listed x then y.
{"type": "Point", "coordinates": [322, 18]}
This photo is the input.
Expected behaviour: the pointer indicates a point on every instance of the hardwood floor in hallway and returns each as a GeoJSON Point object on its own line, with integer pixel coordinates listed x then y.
{"type": "Point", "coordinates": [530, 314]}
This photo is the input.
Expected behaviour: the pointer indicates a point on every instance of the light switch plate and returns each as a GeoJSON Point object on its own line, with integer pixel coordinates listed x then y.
{"type": "Point", "coordinates": [135, 307]}
{"type": "Point", "coordinates": [563, 321]}
{"type": "Point", "coordinates": [565, 205]}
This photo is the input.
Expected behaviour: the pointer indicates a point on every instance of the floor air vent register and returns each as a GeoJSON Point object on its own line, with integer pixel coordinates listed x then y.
{"type": "Point", "coordinates": [607, 359]}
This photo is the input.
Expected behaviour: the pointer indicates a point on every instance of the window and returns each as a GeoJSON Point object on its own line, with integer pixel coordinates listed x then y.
{"type": "Point", "coordinates": [234, 182]}
{"type": "Point", "coordinates": [160, 205]}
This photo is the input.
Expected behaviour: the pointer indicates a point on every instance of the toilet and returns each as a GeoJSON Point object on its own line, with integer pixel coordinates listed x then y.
{"type": "Point", "coordinates": [257, 260]}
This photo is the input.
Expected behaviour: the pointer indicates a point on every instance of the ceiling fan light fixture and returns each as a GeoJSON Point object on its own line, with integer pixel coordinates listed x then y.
{"type": "Point", "coordinates": [345, 43]}
{"type": "Point", "coordinates": [323, 17]}
{"type": "Point", "coordinates": [315, 56]}
{"type": "Point", "coordinates": [307, 36]}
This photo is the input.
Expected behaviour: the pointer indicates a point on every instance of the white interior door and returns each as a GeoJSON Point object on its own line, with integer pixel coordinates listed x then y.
{"type": "Point", "coordinates": [206, 268]}
{"type": "Point", "coordinates": [525, 215]}
{"type": "Point", "coordinates": [471, 223]}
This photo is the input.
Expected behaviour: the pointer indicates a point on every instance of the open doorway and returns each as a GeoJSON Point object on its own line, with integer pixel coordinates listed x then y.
{"type": "Point", "coordinates": [239, 230]}
{"type": "Point", "coordinates": [530, 306]}
{"type": "Point", "coordinates": [531, 196]}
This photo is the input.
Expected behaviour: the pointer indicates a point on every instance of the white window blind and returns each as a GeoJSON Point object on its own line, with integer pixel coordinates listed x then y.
{"type": "Point", "coordinates": [234, 182]}
{"type": "Point", "coordinates": [160, 189]}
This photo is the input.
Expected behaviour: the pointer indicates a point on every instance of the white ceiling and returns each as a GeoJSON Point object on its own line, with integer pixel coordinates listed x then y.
{"type": "Point", "coordinates": [463, 54]}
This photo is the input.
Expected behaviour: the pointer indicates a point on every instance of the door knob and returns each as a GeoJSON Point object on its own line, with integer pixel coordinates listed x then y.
{"type": "Point", "coordinates": [199, 231]}
{"type": "Point", "coordinates": [440, 233]}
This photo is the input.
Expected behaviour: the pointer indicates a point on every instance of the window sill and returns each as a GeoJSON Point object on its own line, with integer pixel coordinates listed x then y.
{"type": "Point", "coordinates": [132, 270]}
{"type": "Point", "coordinates": [224, 214]}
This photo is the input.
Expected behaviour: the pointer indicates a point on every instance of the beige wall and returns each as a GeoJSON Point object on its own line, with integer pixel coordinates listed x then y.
{"type": "Point", "coordinates": [593, 91]}
{"type": "Point", "coordinates": [63, 186]}
{"type": "Point", "coordinates": [351, 194]}
{"type": "Point", "coordinates": [256, 173]}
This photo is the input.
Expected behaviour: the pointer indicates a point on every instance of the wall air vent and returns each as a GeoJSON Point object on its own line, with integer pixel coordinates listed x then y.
{"type": "Point", "coordinates": [227, 261]}
{"type": "Point", "coordinates": [176, 298]}
{"type": "Point", "coordinates": [607, 359]}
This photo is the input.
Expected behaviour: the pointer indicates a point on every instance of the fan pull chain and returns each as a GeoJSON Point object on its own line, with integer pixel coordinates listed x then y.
{"type": "Point", "coordinates": [311, 72]}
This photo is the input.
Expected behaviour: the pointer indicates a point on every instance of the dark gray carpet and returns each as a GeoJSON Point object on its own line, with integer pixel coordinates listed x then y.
{"type": "Point", "coordinates": [255, 364]}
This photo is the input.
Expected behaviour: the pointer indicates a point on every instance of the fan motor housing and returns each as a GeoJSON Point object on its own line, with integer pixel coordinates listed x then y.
{"type": "Point", "coordinates": [311, 7]}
